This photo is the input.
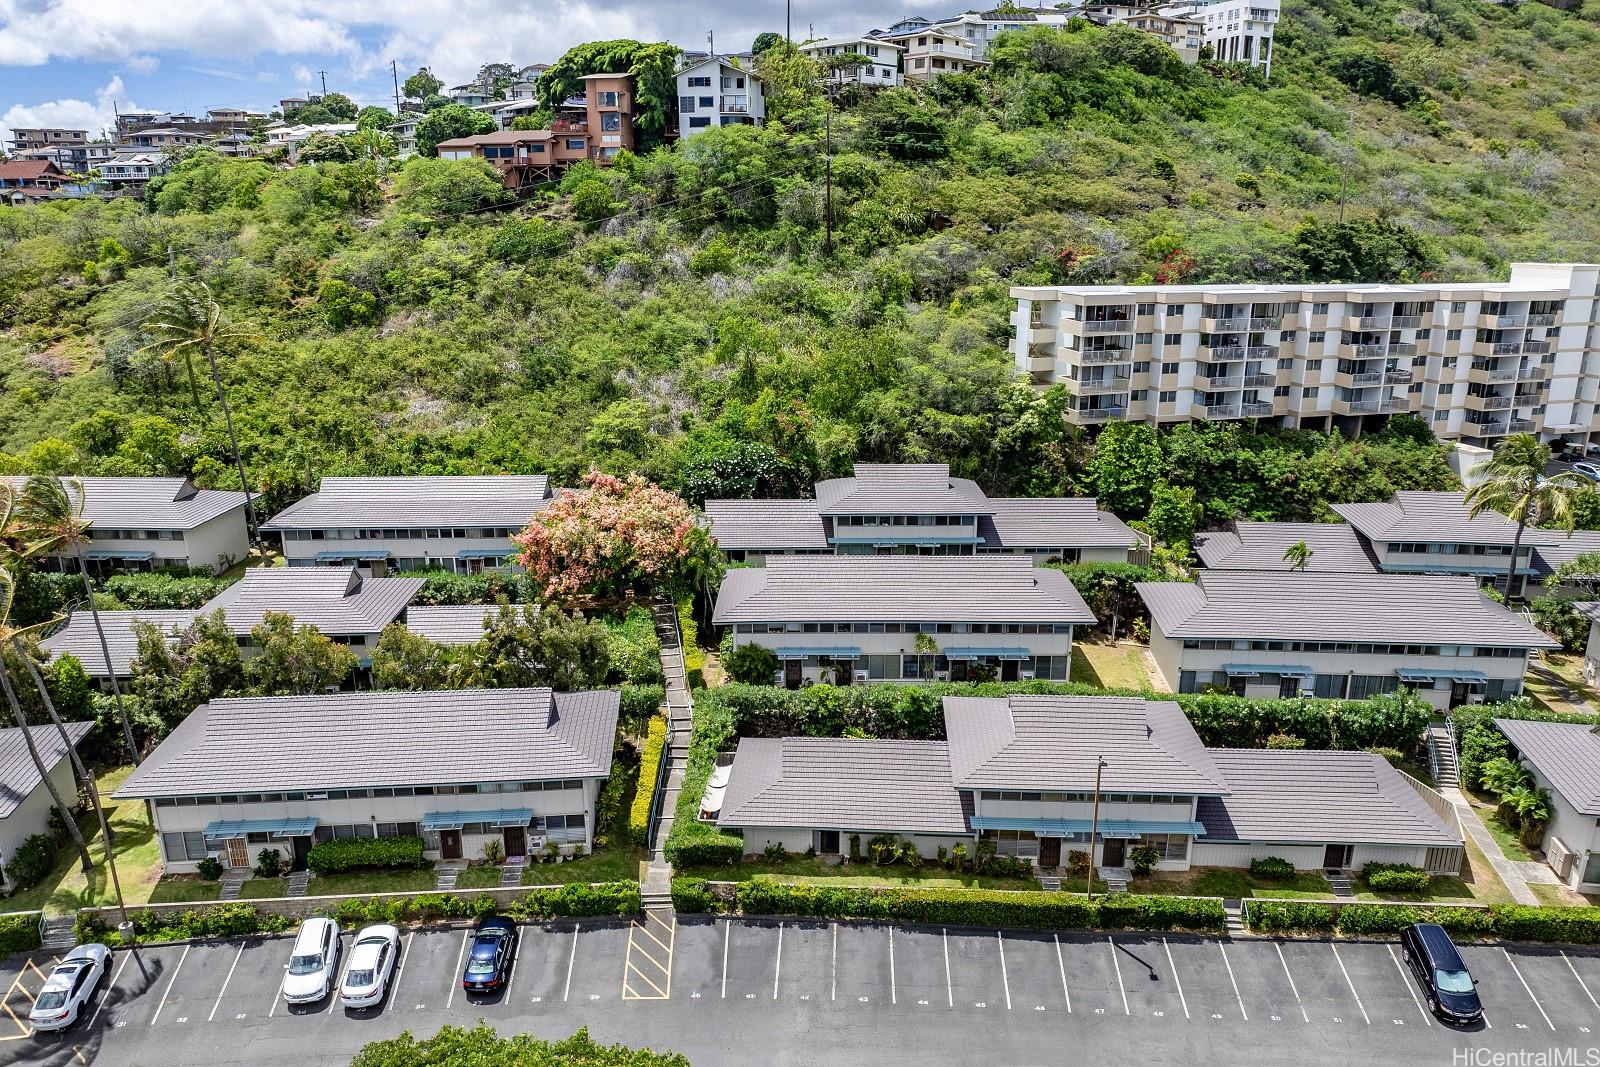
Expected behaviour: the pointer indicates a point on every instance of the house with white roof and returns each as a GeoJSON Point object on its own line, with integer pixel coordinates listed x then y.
{"type": "Point", "coordinates": [25, 800]}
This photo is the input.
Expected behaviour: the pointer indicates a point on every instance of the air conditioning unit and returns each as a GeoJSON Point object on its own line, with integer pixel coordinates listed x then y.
{"type": "Point", "coordinates": [1027, 676]}
{"type": "Point", "coordinates": [862, 676]}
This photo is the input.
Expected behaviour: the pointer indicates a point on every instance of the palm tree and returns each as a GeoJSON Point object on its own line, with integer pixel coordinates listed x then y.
{"type": "Point", "coordinates": [50, 520]}
{"type": "Point", "coordinates": [372, 144]}
{"type": "Point", "coordinates": [1513, 482]}
{"type": "Point", "coordinates": [187, 321]}
{"type": "Point", "coordinates": [1298, 555]}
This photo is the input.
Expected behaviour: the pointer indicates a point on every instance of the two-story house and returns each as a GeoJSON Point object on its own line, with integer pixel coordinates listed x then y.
{"type": "Point", "coordinates": [30, 180]}
{"type": "Point", "coordinates": [1040, 777]}
{"type": "Point", "coordinates": [882, 68]}
{"type": "Point", "coordinates": [1351, 635]}
{"type": "Point", "coordinates": [919, 509]}
{"type": "Point", "coordinates": [904, 618]}
{"type": "Point", "coordinates": [716, 92]}
{"type": "Point", "coordinates": [462, 524]}
{"type": "Point", "coordinates": [591, 127]}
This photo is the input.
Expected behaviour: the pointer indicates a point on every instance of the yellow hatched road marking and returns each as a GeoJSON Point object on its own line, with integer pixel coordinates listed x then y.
{"type": "Point", "coordinates": [26, 1030]}
{"type": "Point", "coordinates": [631, 970]}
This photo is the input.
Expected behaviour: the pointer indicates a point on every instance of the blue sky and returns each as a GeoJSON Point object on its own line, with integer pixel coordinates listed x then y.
{"type": "Point", "coordinates": [64, 62]}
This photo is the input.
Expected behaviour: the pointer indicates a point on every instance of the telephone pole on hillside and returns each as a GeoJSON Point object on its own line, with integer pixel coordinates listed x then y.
{"type": "Point", "coordinates": [394, 72]}
{"type": "Point", "coordinates": [324, 76]}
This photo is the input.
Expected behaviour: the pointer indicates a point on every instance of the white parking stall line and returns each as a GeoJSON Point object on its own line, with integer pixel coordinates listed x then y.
{"type": "Point", "coordinates": [777, 963]}
{"type": "Point", "coordinates": [1292, 987]}
{"type": "Point", "coordinates": [511, 971]}
{"type": "Point", "coordinates": [833, 970]}
{"type": "Point", "coordinates": [1515, 970]}
{"type": "Point", "coordinates": [1236, 995]}
{"type": "Point", "coordinates": [949, 987]}
{"type": "Point", "coordinates": [1581, 982]}
{"type": "Point", "coordinates": [128, 956]}
{"type": "Point", "coordinates": [460, 955]}
{"type": "Point", "coordinates": [405, 953]}
{"type": "Point", "coordinates": [727, 935]}
{"type": "Point", "coordinates": [1061, 965]}
{"type": "Point", "coordinates": [1351, 984]}
{"type": "Point", "coordinates": [572, 958]}
{"type": "Point", "coordinates": [224, 990]}
{"type": "Point", "coordinates": [170, 983]}
{"type": "Point", "coordinates": [279, 998]}
{"type": "Point", "coordinates": [1118, 965]}
{"type": "Point", "coordinates": [1004, 977]}
{"type": "Point", "coordinates": [1405, 980]}
{"type": "Point", "coordinates": [1173, 967]}
{"type": "Point", "coordinates": [893, 995]}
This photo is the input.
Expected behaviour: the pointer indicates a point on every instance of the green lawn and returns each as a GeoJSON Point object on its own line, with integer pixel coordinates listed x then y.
{"type": "Point", "coordinates": [1440, 891]}
{"type": "Point", "coordinates": [1504, 835]}
{"type": "Point", "coordinates": [608, 865]}
{"type": "Point", "coordinates": [380, 881]}
{"type": "Point", "coordinates": [815, 872]}
{"type": "Point", "coordinates": [1231, 882]}
{"type": "Point", "coordinates": [259, 888]}
{"type": "Point", "coordinates": [1119, 666]}
{"type": "Point", "coordinates": [483, 876]}
{"type": "Point", "coordinates": [1568, 666]}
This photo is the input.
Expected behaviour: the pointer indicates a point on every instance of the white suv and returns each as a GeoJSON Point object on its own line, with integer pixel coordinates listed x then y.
{"type": "Point", "coordinates": [313, 963]}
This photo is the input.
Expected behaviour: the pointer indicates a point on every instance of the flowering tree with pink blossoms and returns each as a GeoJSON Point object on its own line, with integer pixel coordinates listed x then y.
{"type": "Point", "coordinates": [616, 535]}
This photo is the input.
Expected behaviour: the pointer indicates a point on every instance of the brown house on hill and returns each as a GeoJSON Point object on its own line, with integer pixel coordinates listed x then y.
{"type": "Point", "coordinates": [27, 180]}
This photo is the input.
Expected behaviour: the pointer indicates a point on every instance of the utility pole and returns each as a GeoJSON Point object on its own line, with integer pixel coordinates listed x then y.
{"type": "Point", "coordinates": [324, 75]}
{"type": "Point", "coordinates": [1094, 821]}
{"type": "Point", "coordinates": [394, 71]}
{"type": "Point", "coordinates": [172, 262]}
{"type": "Point", "coordinates": [788, 20]}
{"type": "Point", "coordinates": [827, 170]}
{"type": "Point", "coordinates": [711, 42]}
{"type": "Point", "coordinates": [1344, 175]}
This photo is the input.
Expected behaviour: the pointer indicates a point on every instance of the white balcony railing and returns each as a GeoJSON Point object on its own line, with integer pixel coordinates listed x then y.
{"type": "Point", "coordinates": [1224, 411]}
{"type": "Point", "coordinates": [1108, 326]}
{"type": "Point", "coordinates": [1105, 355]}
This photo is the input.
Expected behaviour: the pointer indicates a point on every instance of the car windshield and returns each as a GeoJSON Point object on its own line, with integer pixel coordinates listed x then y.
{"type": "Point", "coordinates": [51, 998]}
{"type": "Point", "coordinates": [360, 978]}
{"type": "Point", "coordinates": [1453, 981]}
{"type": "Point", "coordinates": [308, 964]}
{"type": "Point", "coordinates": [480, 966]}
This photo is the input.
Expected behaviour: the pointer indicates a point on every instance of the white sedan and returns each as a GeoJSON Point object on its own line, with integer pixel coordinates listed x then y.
{"type": "Point", "coordinates": [63, 996]}
{"type": "Point", "coordinates": [369, 967]}
{"type": "Point", "coordinates": [1588, 470]}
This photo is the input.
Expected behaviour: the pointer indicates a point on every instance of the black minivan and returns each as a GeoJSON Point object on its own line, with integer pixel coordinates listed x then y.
{"type": "Point", "coordinates": [1451, 990]}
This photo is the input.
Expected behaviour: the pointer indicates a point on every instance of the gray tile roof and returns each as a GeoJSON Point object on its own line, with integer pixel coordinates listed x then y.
{"type": "Point", "coordinates": [1259, 546]}
{"type": "Point", "coordinates": [901, 489]}
{"type": "Point", "coordinates": [336, 600]}
{"type": "Point", "coordinates": [1563, 548]}
{"type": "Point", "coordinates": [78, 638]}
{"type": "Point", "coordinates": [1054, 522]}
{"type": "Point", "coordinates": [482, 500]}
{"type": "Point", "coordinates": [766, 525]}
{"type": "Point", "coordinates": [149, 503]}
{"type": "Point", "coordinates": [18, 776]}
{"type": "Point", "coordinates": [1301, 796]}
{"type": "Point", "coordinates": [1566, 755]}
{"type": "Point", "coordinates": [988, 588]}
{"type": "Point", "coordinates": [844, 784]}
{"type": "Point", "coordinates": [1278, 605]}
{"type": "Point", "coordinates": [450, 624]}
{"type": "Point", "coordinates": [1042, 742]}
{"type": "Point", "coordinates": [1433, 516]}
{"type": "Point", "coordinates": [340, 740]}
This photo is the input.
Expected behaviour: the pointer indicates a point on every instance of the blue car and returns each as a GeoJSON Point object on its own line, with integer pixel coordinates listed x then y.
{"type": "Point", "coordinates": [494, 945]}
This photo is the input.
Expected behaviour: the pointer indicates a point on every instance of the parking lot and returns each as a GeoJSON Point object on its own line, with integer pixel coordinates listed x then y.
{"type": "Point", "coordinates": [818, 992]}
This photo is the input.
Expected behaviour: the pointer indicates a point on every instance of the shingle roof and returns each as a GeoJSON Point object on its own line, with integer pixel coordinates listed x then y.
{"type": "Point", "coordinates": [1566, 754]}
{"type": "Point", "coordinates": [336, 600]}
{"type": "Point", "coordinates": [337, 740]}
{"type": "Point", "coordinates": [1259, 546]}
{"type": "Point", "coordinates": [901, 489]}
{"type": "Point", "coordinates": [1051, 522]}
{"type": "Point", "coordinates": [1563, 548]}
{"type": "Point", "coordinates": [766, 525]}
{"type": "Point", "coordinates": [148, 503]}
{"type": "Point", "coordinates": [29, 169]}
{"type": "Point", "coordinates": [1403, 608]}
{"type": "Point", "coordinates": [450, 624]}
{"type": "Point", "coordinates": [78, 638]}
{"type": "Point", "coordinates": [486, 500]}
{"type": "Point", "coordinates": [891, 786]}
{"type": "Point", "coordinates": [1051, 742]}
{"type": "Point", "coordinates": [1318, 797]}
{"type": "Point", "coordinates": [924, 588]}
{"type": "Point", "coordinates": [1433, 516]}
{"type": "Point", "coordinates": [18, 776]}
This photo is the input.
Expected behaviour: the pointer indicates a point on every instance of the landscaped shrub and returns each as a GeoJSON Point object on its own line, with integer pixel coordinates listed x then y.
{"type": "Point", "coordinates": [1395, 878]}
{"type": "Point", "coordinates": [31, 861]}
{"type": "Point", "coordinates": [1143, 860]}
{"type": "Point", "coordinates": [344, 854]}
{"type": "Point", "coordinates": [634, 647]}
{"type": "Point", "coordinates": [269, 863]}
{"type": "Point", "coordinates": [1125, 912]}
{"type": "Point", "coordinates": [157, 590]}
{"type": "Point", "coordinates": [1522, 922]}
{"type": "Point", "coordinates": [655, 743]}
{"type": "Point", "coordinates": [19, 933]}
{"type": "Point", "coordinates": [690, 896]}
{"type": "Point", "coordinates": [220, 920]}
{"type": "Point", "coordinates": [1274, 867]}
{"type": "Point", "coordinates": [578, 899]}
{"type": "Point", "coordinates": [209, 868]}
{"type": "Point", "coordinates": [1285, 916]}
{"type": "Point", "coordinates": [693, 843]}
{"type": "Point", "coordinates": [639, 702]}
{"type": "Point", "coordinates": [485, 587]}
{"type": "Point", "coordinates": [751, 665]}
{"type": "Point", "coordinates": [1378, 918]}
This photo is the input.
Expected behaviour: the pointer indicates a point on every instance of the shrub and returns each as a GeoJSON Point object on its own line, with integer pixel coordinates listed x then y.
{"type": "Point", "coordinates": [579, 899]}
{"type": "Point", "coordinates": [774, 852]}
{"type": "Point", "coordinates": [1395, 878]}
{"type": "Point", "coordinates": [1284, 916]}
{"type": "Point", "coordinates": [328, 857]}
{"type": "Point", "coordinates": [269, 863]}
{"type": "Point", "coordinates": [1274, 867]}
{"type": "Point", "coordinates": [156, 590]}
{"type": "Point", "coordinates": [1143, 860]}
{"type": "Point", "coordinates": [752, 665]}
{"type": "Point", "coordinates": [634, 647]}
{"type": "Point", "coordinates": [210, 868]}
{"type": "Point", "coordinates": [31, 861]}
{"type": "Point", "coordinates": [19, 933]}
{"type": "Point", "coordinates": [639, 702]}
{"type": "Point", "coordinates": [655, 743]}
{"type": "Point", "coordinates": [235, 919]}
{"type": "Point", "coordinates": [1123, 911]}
{"type": "Point", "coordinates": [1378, 918]}
{"type": "Point", "coordinates": [691, 896]}
{"type": "Point", "coordinates": [1522, 922]}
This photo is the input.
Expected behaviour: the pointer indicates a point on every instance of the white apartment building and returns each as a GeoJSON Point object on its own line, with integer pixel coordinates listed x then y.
{"type": "Point", "coordinates": [885, 70]}
{"type": "Point", "coordinates": [1238, 31]}
{"type": "Point", "coordinates": [714, 92]}
{"type": "Point", "coordinates": [934, 50]}
{"type": "Point", "coordinates": [979, 28]}
{"type": "Point", "coordinates": [1476, 360]}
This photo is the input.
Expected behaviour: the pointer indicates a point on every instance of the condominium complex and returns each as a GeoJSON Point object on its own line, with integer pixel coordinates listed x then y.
{"type": "Point", "coordinates": [1476, 360]}
{"type": "Point", "coordinates": [1238, 31]}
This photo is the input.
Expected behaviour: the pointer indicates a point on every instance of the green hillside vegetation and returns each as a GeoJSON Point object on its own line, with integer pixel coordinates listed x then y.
{"type": "Point", "coordinates": [680, 314]}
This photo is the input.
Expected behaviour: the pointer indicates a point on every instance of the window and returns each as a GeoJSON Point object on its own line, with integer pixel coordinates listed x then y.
{"type": "Point", "coordinates": [1169, 368]}
{"type": "Point", "coordinates": [1289, 335]}
{"type": "Point", "coordinates": [575, 144]}
{"type": "Point", "coordinates": [182, 847]}
{"type": "Point", "coordinates": [1146, 309]}
{"type": "Point", "coordinates": [1310, 392]}
{"type": "Point", "coordinates": [1319, 309]}
{"type": "Point", "coordinates": [1174, 309]}
{"type": "Point", "coordinates": [1167, 396]}
{"type": "Point", "coordinates": [1286, 363]}
{"type": "Point", "coordinates": [685, 104]}
{"type": "Point", "coordinates": [1452, 335]}
{"type": "Point", "coordinates": [1316, 337]}
{"type": "Point", "coordinates": [699, 81]}
{"type": "Point", "coordinates": [1313, 364]}
{"type": "Point", "coordinates": [1448, 363]}
{"type": "Point", "coordinates": [1143, 338]}
{"type": "Point", "coordinates": [608, 99]}
{"type": "Point", "coordinates": [610, 122]}
{"type": "Point", "coordinates": [1441, 416]}
{"type": "Point", "coordinates": [1172, 340]}
{"type": "Point", "coordinates": [1458, 307]}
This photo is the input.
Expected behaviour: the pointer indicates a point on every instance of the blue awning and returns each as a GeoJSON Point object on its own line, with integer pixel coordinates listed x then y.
{"type": "Point", "coordinates": [486, 553]}
{"type": "Point", "coordinates": [1124, 828]}
{"type": "Point", "coordinates": [980, 653]}
{"type": "Point", "coordinates": [1252, 670]}
{"type": "Point", "coordinates": [117, 553]}
{"type": "Point", "coordinates": [274, 827]}
{"type": "Point", "coordinates": [836, 652]}
{"type": "Point", "coordinates": [333, 556]}
{"type": "Point", "coordinates": [455, 820]}
{"type": "Point", "coordinates": [1428, 674]}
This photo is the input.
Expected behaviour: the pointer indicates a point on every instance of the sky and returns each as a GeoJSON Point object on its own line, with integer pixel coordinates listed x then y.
{"type": "Point", "coordinates": [67, 62]}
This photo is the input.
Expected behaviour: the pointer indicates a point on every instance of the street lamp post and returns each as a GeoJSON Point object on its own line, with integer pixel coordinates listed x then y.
{"type": "Point", "coordinates": [1094, 820]}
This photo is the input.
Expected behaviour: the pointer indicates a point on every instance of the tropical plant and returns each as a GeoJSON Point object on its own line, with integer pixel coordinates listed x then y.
{"type": "Point", "coordinates": [1513, 482]}
{"type": "Point", "coordinates": [1298, 555]}
{"type": "Point", "coordinates": [752, 664]}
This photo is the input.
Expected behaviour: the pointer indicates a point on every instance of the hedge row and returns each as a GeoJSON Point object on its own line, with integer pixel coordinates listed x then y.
{"type": "Point", "coordinates": [1286, 916]}
{"type": "Point", "coordinates": [19, 933]}
{"type": "Point", "coordinates": [220, 920]}
{"type": "Point", "coordinates": [348, 853]}
{"type": "Point", "coordinates": [693, 843]}
{"type": "Point", "coordinates": [1395, 878]}
{"type": "Point", "coordinates": [655, 743]}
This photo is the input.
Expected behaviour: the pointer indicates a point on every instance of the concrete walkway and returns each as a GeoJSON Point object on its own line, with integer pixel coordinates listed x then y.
{"type": "Point", "coordinates": [1513, 873]}
{"type": "Point", "coordinates": [1575, 702]}
{"type": "Point", "coordinates": [657, 885]}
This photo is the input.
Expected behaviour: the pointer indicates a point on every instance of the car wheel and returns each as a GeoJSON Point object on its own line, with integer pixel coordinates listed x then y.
{"type": "Point", "coordinates": [1433, 1005]}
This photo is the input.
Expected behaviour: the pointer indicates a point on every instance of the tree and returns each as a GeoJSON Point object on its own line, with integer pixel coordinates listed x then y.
{"type": "Point", "coordinates": [406, 660]}
{"type": "Point", "coordinates": [340, 106]}
{"type": "Point", "coordinates": [790, 82]}
{"type": "Point", "coordinates": [1173, 514]}
{"type": "Point", "coordinates": [373, 117]}
{"type": "Point", "coordinates": [482, 1048]}
{"type": "Point", "coordinates": [1298, 555]}
{"type": "Point", "coordinates": [1514, 483]}
{"type": "Point", "coordinates": [529, 647]}
{"type": "Point", "coordinates": [174, 673]}
{"type": "Point", "coordinates": [371, 143]}
{"type": "Point", "coordinates": [439, 188]}
{"type": "Point", "coordinates": [764, 41]}
{"type": "Point", "coordinates": [1371, 74]}
{"type": "Point", "coordinates": [295, 660]}
{"type": "Point", "coordinates": [421, 85]}
{"type": "Point", "coordinates": [653, 68]}
{"type": "Point", "coordinates": [752, 665]}
{"type": "Point", "coordinates": [906, 127]}
{"type": "Point", "coordinates": [614, 535]}
{"type": "Point", "coordinates": [448, 123]}
{"type": "Point", "coordinates": [325, 147]}
{"type": "Point", "coordinates": [1125, 467]}
{"type": "Point", "coordinates": [1363, 250]}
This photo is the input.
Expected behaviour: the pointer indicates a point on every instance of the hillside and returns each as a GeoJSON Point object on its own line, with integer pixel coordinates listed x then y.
{"type": "Point", "coordinates": [679, 314]}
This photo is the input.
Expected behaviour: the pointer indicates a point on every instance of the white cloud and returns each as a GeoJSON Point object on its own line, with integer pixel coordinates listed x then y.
{"type": "Point", "coordinates": [69, 114]}
{"type": "Point", "coordinates": [143, 64]}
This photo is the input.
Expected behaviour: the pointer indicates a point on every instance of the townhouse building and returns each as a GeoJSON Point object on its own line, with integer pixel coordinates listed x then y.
{"type": "Point", "coordinates": [25, 801]}
{"type": "Point", "coordinates": [716, 92]}
{"type": "Point", "coordinates": [1477, 361]}
{"type": "Point", "coordinates": [146, 524]}
{"type": "Point", "coordinates": [845, 619]}
{"type": "Point", "coordinates": [460, 524]}
{"type": "Point", "coordinates": [1565, 761]}
{"type": "Point", "coordinates": [1262, 546]}
{"type": "Point", "coordinates": [1182, 33]}
{"type": "Point", "coordinates": [518, 767]}
{"type": "Point", "coordinates": [885, 69]}
{"type": "Point", "coordinates": [1237, 31]}
{"type": "Point", "coordinates": [160, 139]}
{"type": "Point", "coordinates": [1040, 777]}
{"type": "Point", "coordinates": [919, 509]}
{"type": "Point", "coordinates": [1341, 635]}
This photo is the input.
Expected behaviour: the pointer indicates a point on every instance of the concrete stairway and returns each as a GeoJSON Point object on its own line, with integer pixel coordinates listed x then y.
{"type": "Point", "coordinates": [297, 883]}
{"type": "Point", "coordinates": [55, 933]}
{"type": "Point", "coordinates": [445, 873]}
{"type": "Point", "coordinates": [656, 887]}
{"type": "Point", "coordinates": [1233, 912]}
{"type": "Point", "coordinates": [1442, 756]}
{"type": "Point", "coordinates": [233, 880]}
{"type": "Point", "coordinates": [1116, 878]}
